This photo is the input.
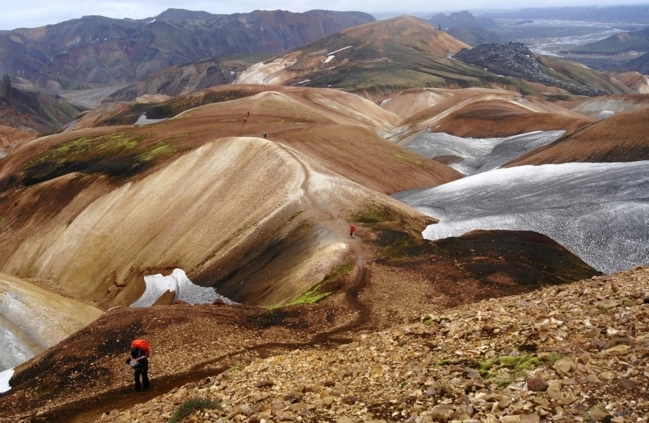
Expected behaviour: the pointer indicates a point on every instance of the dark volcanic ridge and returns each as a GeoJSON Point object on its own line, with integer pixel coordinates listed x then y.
{"type": "Point", "coordinates": [516, 60]}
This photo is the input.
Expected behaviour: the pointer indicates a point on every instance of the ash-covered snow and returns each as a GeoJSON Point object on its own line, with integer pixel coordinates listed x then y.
{"type": "Point", "coordinates": [599, 211]}
{"type": "Point", "coordinates": [143, 120]}
{"type": "Point", "coordinates": [5, 376]}
{"type": "Point", "coordinates": [177, 282]}
{"type": "Point", "coordinates": [339, 50]}
{"type": "Point", "coordinates": [480, 154]}
{"type": "Point", "coordinates": [15, 344]}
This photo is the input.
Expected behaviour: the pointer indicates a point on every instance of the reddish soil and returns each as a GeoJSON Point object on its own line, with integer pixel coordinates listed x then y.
{"type": "Point", "coordinates": [499, 120]}
{"type": "Point", "coordinates": [621, 137]}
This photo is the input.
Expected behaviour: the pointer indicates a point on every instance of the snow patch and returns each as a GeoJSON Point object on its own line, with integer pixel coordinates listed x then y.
{"type": "Point", "coordinates": [143, 120]}
{"type": "Point", "coordinates": [384, 102]}
{"type": "Point", "coordinates": [480, 154]}
{"type": "Point", "coordinates": [605, 113]}
{"type": "Point", "coordinates": [4, 380]}
{"type": "Point", "coordinates": [183, 288]}
{"type": "Point", "coordinates": [329, 59]}
{"type": "Point", "coordinates": [340, 49]}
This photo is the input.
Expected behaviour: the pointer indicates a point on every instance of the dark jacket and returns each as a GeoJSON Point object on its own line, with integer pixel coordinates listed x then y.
{"type": "Point", "coordinates": [138, 355]}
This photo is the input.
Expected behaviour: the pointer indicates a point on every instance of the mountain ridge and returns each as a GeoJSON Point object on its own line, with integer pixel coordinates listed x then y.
{"type": "Point", "coordinates": [98, 50]}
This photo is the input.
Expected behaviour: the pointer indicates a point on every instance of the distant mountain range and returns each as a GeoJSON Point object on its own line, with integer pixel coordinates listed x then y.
{"type": "Point", "coordinates": [384, 56]}
{"type": "Point", "coordinates": [467, 28]}
{"type": "Point", "coordinates": [404, 52]}
{"type": "Point", "coordinates": [624, 42]}
{"type": "Point", "coordinates": [98, 50]}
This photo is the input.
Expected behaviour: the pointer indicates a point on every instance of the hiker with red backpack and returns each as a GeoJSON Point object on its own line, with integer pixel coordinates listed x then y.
{"type": "Point", "coordinates": [140, 352]}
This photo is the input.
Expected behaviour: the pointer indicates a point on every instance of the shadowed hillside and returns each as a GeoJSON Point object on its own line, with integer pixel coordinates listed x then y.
{"type": "Point", "coordinates": [99, 50]}
{"type": "Point", "coordinates": [34, 110]}
{"type": "Point", "coordinates": [618, 138]}
{"type": "Point", "coordinates": [476, 112]}
{"type": "Point", "coordinates": [184, 79]}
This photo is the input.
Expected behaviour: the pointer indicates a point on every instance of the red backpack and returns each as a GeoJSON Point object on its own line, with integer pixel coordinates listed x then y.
{"type": "Point", "coordinates": [142, 344]}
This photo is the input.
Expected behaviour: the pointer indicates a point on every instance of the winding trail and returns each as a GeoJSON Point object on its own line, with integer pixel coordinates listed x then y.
{"type": "Point", "coordinates": [88, 410]}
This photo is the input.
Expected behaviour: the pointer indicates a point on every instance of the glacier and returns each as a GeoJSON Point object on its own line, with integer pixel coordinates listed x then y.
{"type": "Point", "coordinates": [599, 211]}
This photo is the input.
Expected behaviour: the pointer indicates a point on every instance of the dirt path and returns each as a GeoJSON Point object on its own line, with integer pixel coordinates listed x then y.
{"type": "Point", "coordinates": [88, 410]}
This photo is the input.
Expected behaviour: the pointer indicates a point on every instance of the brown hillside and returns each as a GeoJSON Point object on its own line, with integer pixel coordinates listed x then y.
{"type": "Point", "coordinates": [11, 137]}
{"type": "Point", "coordinates": [492, 119]}
{"type": "Point", "coordinates": [331, 125]}
{"type": "Point", "coordinates": [634, 80]}
{"type": "Point", "coordinates": [477, 112]}
{"type": "Point", "coordinates": [406, 31]}
{"type": "Point", "coordinates": [262, 219]}
{"type": "Point", "coordinates": [84, 376]}
{"type": "Point", "coordinates": [384, 56]}
{"type": "Point", "coordinates": [621, 137]}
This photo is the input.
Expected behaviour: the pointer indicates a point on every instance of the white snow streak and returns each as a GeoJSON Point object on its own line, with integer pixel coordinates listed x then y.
{"type": "Point", "coordinates": [4, 380]}
{"type": "Point", "coordinates": [178, 283]}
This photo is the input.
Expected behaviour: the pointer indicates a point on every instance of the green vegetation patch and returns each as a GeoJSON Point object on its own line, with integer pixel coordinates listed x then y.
{"type": "Point", "coordinates": [553, 358]}
{"type": "Point", "coordinates": [517, 366]}
{"type": "Point", "coordinates": [373, 215]}
{"type": "Point", "coordinates": [314, 294]}
{"type": "Point", "coordinates": [192, 405]}
{"type": "Point", "coordinates": [118, 154]}
{"type": "Point", "coordinates": [157, 150]}
{"type": "Point", "coordinates": [310, 297]}
{"type": "Point", "coordinates": [178, 105]}
{"type": "Point", "coordinates": [340, 271]}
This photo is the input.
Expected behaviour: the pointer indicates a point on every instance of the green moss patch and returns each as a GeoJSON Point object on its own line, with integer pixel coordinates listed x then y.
{"type": "Point", "coordinates": [373, 215]}
{"type": "Point", "coordinates": [192, 405]}
{"type": "Point", "coordinates": [515, 367]}
{"type": "Point", "coordinates": [311, 296]}
{"type": "Point", "coordinates": [340, 271]}
{"type": "Point", "coordinates": [120, 154]}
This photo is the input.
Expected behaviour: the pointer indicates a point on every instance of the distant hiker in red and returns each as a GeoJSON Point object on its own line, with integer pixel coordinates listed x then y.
{"type": "Point", "coordinates": [244, 120]}
{"type": "Point", "coordinates": [140, 352]}
{"type": "Point", "coordinates": [352, 231]}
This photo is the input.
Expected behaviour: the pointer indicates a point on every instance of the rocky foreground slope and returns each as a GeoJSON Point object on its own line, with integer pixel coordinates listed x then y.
{"type": "Point", "coordinates": [565, 353]}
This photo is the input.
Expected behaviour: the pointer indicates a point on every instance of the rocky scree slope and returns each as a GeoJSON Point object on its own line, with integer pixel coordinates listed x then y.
{"type": "Point", "coordinates": [515, 60]}
{"type": "Point", "coordinates": [567, 353]}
